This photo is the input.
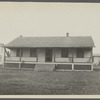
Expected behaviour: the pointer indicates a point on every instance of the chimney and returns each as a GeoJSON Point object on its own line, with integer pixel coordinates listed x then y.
{"type": "Point", "coordinates": [21, 36]}
{"type": "Point", "coordinates": [67, 34]}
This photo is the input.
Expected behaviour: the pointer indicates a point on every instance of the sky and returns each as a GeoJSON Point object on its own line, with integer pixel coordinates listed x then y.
{"type": "Point", "coordinates": [49, 19]}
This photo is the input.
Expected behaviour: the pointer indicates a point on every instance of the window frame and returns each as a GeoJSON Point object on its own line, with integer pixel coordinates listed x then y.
{"type": "Point", "coordinates": [80, 53]}
{"type": "Point", "coordinates": [18, 51]}
{"type": "Point", "coordinates": [33, 52]}
{"type": "Point", "coordinates": [64, 52]}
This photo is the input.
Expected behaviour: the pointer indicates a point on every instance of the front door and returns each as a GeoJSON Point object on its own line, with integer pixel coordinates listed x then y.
{"type": "Point", "coordinates": [48, 55]}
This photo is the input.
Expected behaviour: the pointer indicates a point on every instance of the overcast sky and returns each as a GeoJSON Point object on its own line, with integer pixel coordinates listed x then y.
{"type": "Point", "coordinates": [49, 19]}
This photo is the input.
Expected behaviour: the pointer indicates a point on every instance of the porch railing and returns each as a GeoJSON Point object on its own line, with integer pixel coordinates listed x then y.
{"type": "Point", "coordinates": [58, 60]}
{"type": "Point", "coordinates": [74, 60]}
{"type": "Point", "coordinates": [28, 59]}
{"type": "Point", "coordinates": [22, 59]}
{"type": "Point", "coordinates": [82, 59]}
{"type": "Point", "coordinates": [64, 60]}
{"type": "Point", "coordinates": [12, 59]}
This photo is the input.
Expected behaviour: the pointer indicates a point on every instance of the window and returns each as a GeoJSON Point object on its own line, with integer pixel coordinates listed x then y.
{"type": "Point", "coordinates": [32, 52]}
{"type": "Point", "coordinates": [80, 53]}
{"type": "Point", "coordinates": [18, 53]}
{"type": "Point", "coordinates": [64, 52]}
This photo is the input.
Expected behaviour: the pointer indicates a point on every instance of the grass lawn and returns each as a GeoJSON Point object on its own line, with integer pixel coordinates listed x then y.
{"type": "Point", "coordinates": [24, 82]}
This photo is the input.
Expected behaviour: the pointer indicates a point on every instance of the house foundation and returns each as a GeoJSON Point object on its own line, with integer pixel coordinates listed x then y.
{"type": "Point", "coordinates": [40, 66]}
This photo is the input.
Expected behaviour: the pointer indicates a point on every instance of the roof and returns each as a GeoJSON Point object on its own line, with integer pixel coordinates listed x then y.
{"type": "Point", "coordinates": [81, 41]}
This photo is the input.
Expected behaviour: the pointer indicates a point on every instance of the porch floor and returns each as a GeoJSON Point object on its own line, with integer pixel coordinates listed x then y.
{"type": "Point", "coordinates": [83, 63]}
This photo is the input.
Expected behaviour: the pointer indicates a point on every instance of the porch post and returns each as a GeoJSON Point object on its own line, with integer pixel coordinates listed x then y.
{"type": "Point", "coordinates": [20, 59]}
{"type": "Point", "coordinates": [92, 59]}
{"type": "Point", "coordinates": [72, 66]}
{"type": "Point", "coordinates": [54, 55]}
{"type": "Point", "coordinates": [72, 61]}
{"type": "Point", "coordinates": [37, 54]}
{"type": "Point", "coordinates": [20, 54]}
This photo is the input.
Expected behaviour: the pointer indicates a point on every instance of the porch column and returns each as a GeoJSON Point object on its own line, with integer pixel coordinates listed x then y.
{"type": "Point", "coordinates": [54, 55]}
{"type": "Point", "coordinates": [92, 59]}
{"type": "Point", "coordinates": [72, 66]}
{"type": "Point", "coordinates": [20, 54]}
{"type": "Point", "coordinates": [72, 60]}
{"type": "Point", "coordinates": [20, 59]}
{"type": "Point", "coordinates": [37, 54]}
{"type": "Point", "coordinates": [72, 55]}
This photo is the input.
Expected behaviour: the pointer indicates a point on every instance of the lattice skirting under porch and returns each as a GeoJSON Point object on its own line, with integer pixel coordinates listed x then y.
{"type": "Point", "coordinates": [51, 67]}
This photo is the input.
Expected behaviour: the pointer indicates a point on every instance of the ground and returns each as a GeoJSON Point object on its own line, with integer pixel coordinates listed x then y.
{"type": "Point", "coordinates": [15, 81]}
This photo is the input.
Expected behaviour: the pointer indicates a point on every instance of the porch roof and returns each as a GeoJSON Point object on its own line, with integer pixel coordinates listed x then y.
{"type": "Point", "coordinates": [29, 42]}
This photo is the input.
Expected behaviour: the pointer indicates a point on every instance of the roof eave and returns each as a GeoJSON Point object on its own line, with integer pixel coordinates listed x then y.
{"type": "Point", "coordinates": [49, 47]}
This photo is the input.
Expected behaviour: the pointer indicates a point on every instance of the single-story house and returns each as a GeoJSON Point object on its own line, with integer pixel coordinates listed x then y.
{"type": "Point", "coordinates": [67, 53]}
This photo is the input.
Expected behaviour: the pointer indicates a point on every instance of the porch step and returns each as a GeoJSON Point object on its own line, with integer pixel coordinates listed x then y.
{"type": "Point", "coordinates": [44, 67]}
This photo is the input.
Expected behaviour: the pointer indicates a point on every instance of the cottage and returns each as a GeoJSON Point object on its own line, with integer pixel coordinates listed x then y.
{"type": "Point", "coordinates": [60, 53]}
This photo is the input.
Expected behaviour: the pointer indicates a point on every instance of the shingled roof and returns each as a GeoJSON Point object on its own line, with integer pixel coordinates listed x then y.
{"type": "Point", "coordinates": [29, 42]}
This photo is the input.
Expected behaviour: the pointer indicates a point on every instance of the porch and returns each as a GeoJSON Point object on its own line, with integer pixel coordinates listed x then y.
{"type": "Point", "coordinates": [61, 58]}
